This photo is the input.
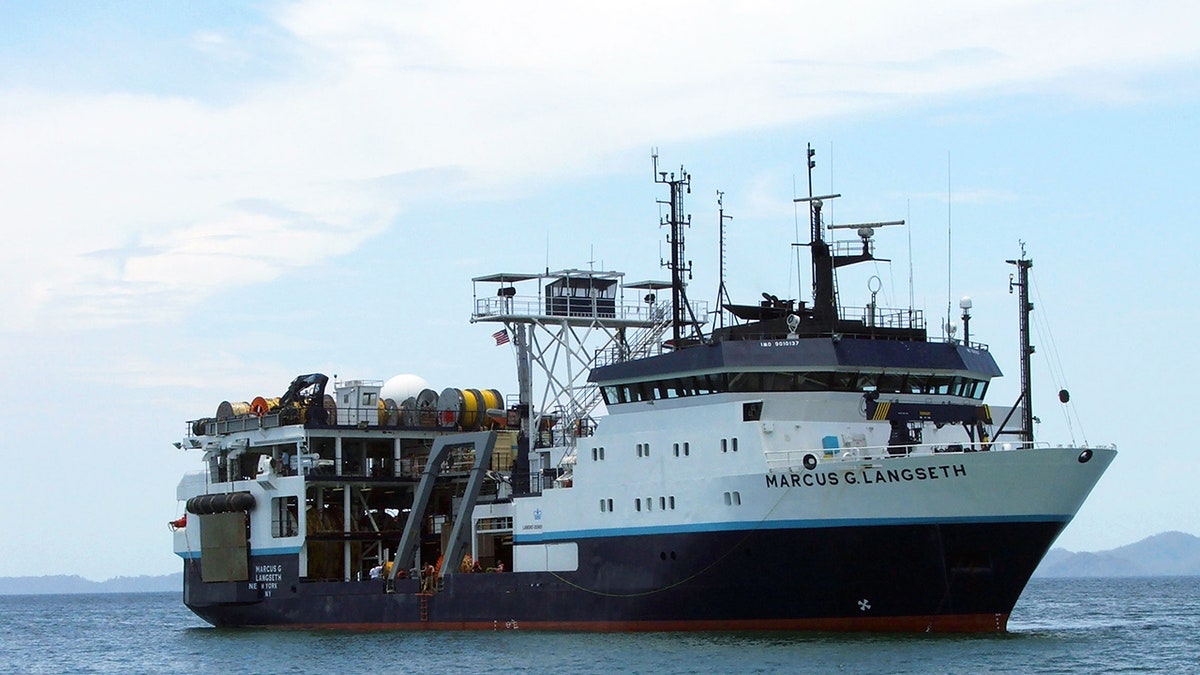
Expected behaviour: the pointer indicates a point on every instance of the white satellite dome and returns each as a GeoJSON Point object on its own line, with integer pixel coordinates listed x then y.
{"type": "Point", "coordinates": [403, 386]}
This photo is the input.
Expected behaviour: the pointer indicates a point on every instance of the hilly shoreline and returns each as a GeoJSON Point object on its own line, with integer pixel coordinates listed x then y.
{"type": "Point", "coordinates": [1167, 554]}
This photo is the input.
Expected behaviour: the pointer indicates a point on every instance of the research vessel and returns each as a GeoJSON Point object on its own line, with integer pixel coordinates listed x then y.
{"type": "Point", "coordinates": [782, 465]}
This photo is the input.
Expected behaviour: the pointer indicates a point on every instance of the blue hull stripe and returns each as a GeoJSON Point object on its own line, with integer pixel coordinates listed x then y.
{"type": "Point", "coordinates": [736, 526]}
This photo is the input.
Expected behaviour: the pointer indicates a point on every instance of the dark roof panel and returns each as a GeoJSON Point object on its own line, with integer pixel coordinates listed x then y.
{"type": "Point", "coordinates": [808, 353]}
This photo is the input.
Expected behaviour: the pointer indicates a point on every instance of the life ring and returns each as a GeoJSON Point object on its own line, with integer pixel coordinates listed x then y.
{"type": "Point", "coordinates": [810, 461]}
{"type": "Point", "coordinates": [178, 524]}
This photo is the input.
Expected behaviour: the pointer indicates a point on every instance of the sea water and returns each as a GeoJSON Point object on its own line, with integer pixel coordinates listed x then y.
{"type": "Point", "coordinates": [1059, 626]}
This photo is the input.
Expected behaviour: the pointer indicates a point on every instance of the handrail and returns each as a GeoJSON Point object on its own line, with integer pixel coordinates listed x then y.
{"type": "Point", "coordinates": [361, 417]}
{"type": "Point", "coordinates": [779, 460]}
{"type": "Point", "coordinates": [523, 305]}
{"type": "Point", "coordinates": [884, 317]}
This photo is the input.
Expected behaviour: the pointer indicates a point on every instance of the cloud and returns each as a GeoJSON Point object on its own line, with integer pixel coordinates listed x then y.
{"type": "Point", "coordinates": [134, 207]}
{"type": "Point", "coordinates": [129, 197]}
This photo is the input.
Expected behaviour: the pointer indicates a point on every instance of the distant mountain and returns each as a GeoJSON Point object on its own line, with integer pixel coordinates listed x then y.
{"type": "Point", "coordinates": [1165, 554]}
{"type": "Point", "coordinates": [76, 584]}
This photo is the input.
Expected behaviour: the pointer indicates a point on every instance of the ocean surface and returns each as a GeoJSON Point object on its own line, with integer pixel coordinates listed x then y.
{"type": "Point", "coordinates": [1059, 626]}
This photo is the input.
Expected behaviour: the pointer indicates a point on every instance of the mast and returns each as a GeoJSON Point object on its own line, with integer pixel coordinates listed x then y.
{"type": "Point", "coordinates": [520, 469]}
{"type": "Point", "coordinates": [825, 260]}
{"type": "Point", "coordinates": [824, 304]}
{"type": "Point", "coordinates": [1024, 307]}
{"type": "Point", "coordinates": [722, 293]}
{"type": "Point", "coordinates": [681, 309]}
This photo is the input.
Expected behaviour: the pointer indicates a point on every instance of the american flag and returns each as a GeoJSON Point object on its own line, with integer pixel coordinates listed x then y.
{"type": "Point", "coordinates": [501, 337]}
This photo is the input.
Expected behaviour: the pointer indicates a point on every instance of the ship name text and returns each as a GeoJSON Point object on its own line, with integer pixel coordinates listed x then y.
{"type": "Point", "coordinates": [266, 579]}
{"type": "Point", "coordinates": [865, 476]}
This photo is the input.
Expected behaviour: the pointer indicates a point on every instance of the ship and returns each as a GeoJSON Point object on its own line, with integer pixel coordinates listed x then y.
{"type": "Point", "coordinates": [775, 465]}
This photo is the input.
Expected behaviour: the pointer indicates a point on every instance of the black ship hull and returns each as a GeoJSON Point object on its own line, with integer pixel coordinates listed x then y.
{"type": "Point", "coordinates": [916, 577]}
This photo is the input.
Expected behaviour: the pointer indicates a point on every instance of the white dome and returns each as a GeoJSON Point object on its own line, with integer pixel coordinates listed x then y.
{"type": "Point", "coordinates": [403, 386]}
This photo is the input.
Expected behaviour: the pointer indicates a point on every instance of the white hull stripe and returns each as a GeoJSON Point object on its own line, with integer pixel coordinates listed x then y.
{"type": "Point", "coordinates": [284, 550]}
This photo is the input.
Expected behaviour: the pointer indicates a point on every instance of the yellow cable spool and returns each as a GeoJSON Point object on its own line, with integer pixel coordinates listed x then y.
{"type": "Point", "coordinates": [492, 400]}
{"type": "Point", "coordinates": [261, 406]}
{"type": "Point", "coordinates": [472, 409]}
{"type": "Point", "coordinates": [235, 409]}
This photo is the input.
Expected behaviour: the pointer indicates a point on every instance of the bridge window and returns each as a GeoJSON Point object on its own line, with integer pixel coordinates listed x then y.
{"type": "Point", "coordinates": [891, 383]}
{"type": "Point", "coordinates": [844, 382]}
{"type": "Point", "coordinates": [745, 382]}
{"type": "Point", "coordinates": [756, 381]}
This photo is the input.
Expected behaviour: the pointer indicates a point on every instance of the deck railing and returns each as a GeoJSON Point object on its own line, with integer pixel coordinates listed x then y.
{"type": "Point", "coordinates": [796, 460]}
{"type": "Point", "coordinates": [884, 317]}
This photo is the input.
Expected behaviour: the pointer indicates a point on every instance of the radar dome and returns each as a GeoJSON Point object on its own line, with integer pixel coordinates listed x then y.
{"type": "Point", "coordinates": [403, 386]}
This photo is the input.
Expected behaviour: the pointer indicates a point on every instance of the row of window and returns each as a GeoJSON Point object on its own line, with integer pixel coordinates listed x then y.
{"type": "Point", "coordinates": [639, 504]}
{"type": "Point", "coordinates": [679, 449]}
{"type": "Point", "coordinates": [888, 383]}
{"type": "Point", "coordinates": [664, 503]}
{"type": "Point", "coordinates": [733, 498]}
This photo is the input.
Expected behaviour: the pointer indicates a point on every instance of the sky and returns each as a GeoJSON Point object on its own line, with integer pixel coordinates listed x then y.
{"type": "Point", "coordinates": [201, 202]}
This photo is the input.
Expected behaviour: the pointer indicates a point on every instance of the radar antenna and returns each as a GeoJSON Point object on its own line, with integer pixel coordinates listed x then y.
{"type": "Point", "coordinates": [825, 259]}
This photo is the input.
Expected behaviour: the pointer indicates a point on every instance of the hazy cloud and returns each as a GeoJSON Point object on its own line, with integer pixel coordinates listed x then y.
{"type": "Point", "coordinates": [131, 207]}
